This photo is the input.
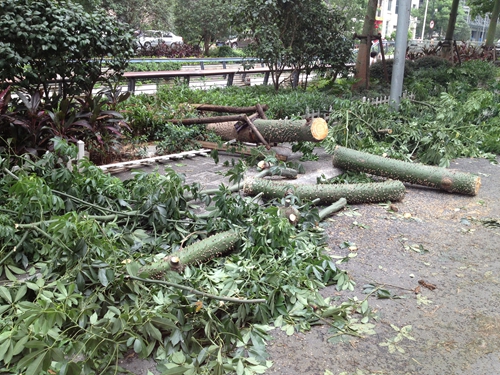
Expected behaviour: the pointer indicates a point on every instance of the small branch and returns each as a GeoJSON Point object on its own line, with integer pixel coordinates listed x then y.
{"type": "Point", "coordinates": [257, 132]}
{"type": "Point", "coordinates": [422, 103]}
{"type": "Point", "coordinates": [15, 247]}
{"type": "Point", "coordinates": [197, 292]}
{"type": "Point", "coordinates": [54, 240]}
{"type": "Point", "coordinates": [334, 207]}
{"type": "Point", "coordinates": [260, 111]}
{"type": "Point", "coordinates": [384, 131]}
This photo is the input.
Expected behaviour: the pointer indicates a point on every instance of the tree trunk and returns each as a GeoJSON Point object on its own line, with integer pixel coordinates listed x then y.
{"type": "Point", "coordinates": [328, 194]}
{"type": "Point", "coordinates": [446, 179]}
{"type": "Point", "coordinates": [312, 130]}
{"type": "Point", "coordinates": [448, 40]}
{"type": "Point", "coordinates": [200, 251]}
{"type": "Point", "coordinates": [363, 59]}
{"type": "Point", "coordinates": [490, 36]}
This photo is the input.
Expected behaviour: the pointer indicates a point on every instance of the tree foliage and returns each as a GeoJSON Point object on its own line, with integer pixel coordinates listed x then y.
{"type": "Point", "coordinates": [439, 12]}
{"type": "Point", "coordinates": [38, 43]}
{"type": "Point", "coordinates": [292, 33]}
{"type": "Point", "coordinates": [202, 20]}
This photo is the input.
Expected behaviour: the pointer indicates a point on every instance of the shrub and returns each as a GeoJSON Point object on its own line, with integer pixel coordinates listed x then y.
{"type": "Point", "coordinates": [153, 66]}
{"type": "Point", "coordinates": [431, 62]}
{"type": "Point", "coordinates": [38, 43]}
{"type": "Point", "coordinates": [377, 69]}
{"type": "Point", "coordinates": [172, 51]}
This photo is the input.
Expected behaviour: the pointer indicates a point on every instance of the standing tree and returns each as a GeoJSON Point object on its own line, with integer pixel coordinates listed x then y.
{"type": "Point", "coordinates": [363, 61]}
{"type": "Point", "coordinates": [319, 40]}
{"type": "Point", "coordinates": [202, 20]}
{"type": "Point", "coordinates": [352, 10]}
{"type": "Point", "coordinates": [483, 8]}
{"type": "Point", "coordinates": [302, 34]}
{"type": "Point", "coordinates": [439, 12]}
{"type": "Point", "coordinates": [450, 30]}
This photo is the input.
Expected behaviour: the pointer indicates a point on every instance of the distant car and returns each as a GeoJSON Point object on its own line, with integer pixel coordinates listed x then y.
{"type": "Point", "coordinates": [151, 38]}
{"type": "Point", "coordinates": [235, 42]}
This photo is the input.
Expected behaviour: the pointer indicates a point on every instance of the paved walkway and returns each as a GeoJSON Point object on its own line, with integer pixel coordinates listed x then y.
{"type": "Point", "coordinates": [204, 170]}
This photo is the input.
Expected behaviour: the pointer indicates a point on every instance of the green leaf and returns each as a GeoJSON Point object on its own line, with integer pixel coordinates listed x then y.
{"type": "Point", "coordinates": [178, 358]}
{"type": "Point", "coordinates": [133, 268]}
{"type": "Point", "coordinates": [16, 270]}
{"type": "Point", "coordinates": [21, 292]}
{"type": "Point", "coordinates": [20, 345]}
{"type": "Point", "coordinates": [364, 307]}
{"type": "Point", "coordinates": [36, 367]}
{"type": "Point", "coordinates": [93, 318]}
{"type": "Point", "coordinates": [70, 368]}
{"type": "Point", "coordinates": [102, 277]}
{"type": "Point", "coordinates": [9, 275]}
{"type": "Point", "coordinates": [4, 348]}
{"type": "Point", "coordinates": [138, 345]}
{"type": "Point", "coordinates": [5, 294]}
{"type": "Point", "coordinates": [178, 370]}
{"type": "Point", "coordinates": [28, 358]}
{"type": "Point", "coordinates": [4, 308]}
{"type": "Point", "coordinates": [240, 369]}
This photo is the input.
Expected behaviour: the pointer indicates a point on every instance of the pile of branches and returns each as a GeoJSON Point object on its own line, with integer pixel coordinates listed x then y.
{"type": "Point", "coordinates": [84, 282]}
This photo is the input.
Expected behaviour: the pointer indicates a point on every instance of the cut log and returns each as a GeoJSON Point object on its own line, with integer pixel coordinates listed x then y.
{"type": "Point", "coordinates": [198, 252]}
{"type": "Point", "coordinates": [328, 194]}
{"type": "Point", "coordinates": [310, 130]}
{"type": "Point", "coordinates": [450, 180]}
{"type": "Point", "coordinates": [227, 109]}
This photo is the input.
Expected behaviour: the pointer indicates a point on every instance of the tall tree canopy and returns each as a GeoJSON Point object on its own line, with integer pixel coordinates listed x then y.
{"type": "Point", "coordinates": [202, 20]}
{"type": "Point", "coordinates": [139, 14]}
{"type": "Point", "coordinates": [297, 33]}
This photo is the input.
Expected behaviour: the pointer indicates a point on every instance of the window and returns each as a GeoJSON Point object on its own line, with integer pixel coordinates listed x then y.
{"type": "Point", "coordinates": [397, 6]}
{"type": "Point", "coordinates": [389, 5]}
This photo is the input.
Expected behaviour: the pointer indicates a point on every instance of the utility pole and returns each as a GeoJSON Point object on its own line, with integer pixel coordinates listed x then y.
{"type": "Point", "coordinates": [425, 19]}
{"type": "Point", "coordinates": [398, 69]}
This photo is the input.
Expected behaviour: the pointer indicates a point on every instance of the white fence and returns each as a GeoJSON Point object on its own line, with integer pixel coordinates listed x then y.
{"type": "Point", "coordinates": [374, 101]}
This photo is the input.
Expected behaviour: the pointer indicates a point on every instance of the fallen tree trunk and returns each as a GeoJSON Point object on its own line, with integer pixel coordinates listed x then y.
{"type": "Point", "coordinates": [328, 194]}
{"type": "Point", "coordinates": [198, 252]}
{"type": "Point", "coordinates": [450, 180]}
{"type": "Point", "coordinates": [310, 130]}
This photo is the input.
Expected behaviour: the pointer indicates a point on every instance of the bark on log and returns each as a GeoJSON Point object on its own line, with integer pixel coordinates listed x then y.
{"type": "Point", "coordinates": [206, 120]}
{"type": "Point", "coordinates": [227, 109]}
{"type": "Point", "coordinates": [450, 180]}
{"type": "Point", "coordinates": [311, 130]}
{"type": "Point", "coordinates": [328, 194]}
{"type": "Point", "coordinates": [200, 251]}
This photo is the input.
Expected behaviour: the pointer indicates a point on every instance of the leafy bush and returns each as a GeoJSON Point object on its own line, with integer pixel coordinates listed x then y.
{"type": "Point", "coordinates": [26, 128]}
{"type": "Point", "coordinates": [431, 62]}
{"type": "Point", "coordinates": [227, 51]}
{"type": "Point", "coordinates": [153, 66]}
{"type": "Point", "coordinates": [172, 51]}
{"type": "Point", "coordinates": [377, 69]}
{"type": "Point", "coordinates": [38, 43]}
